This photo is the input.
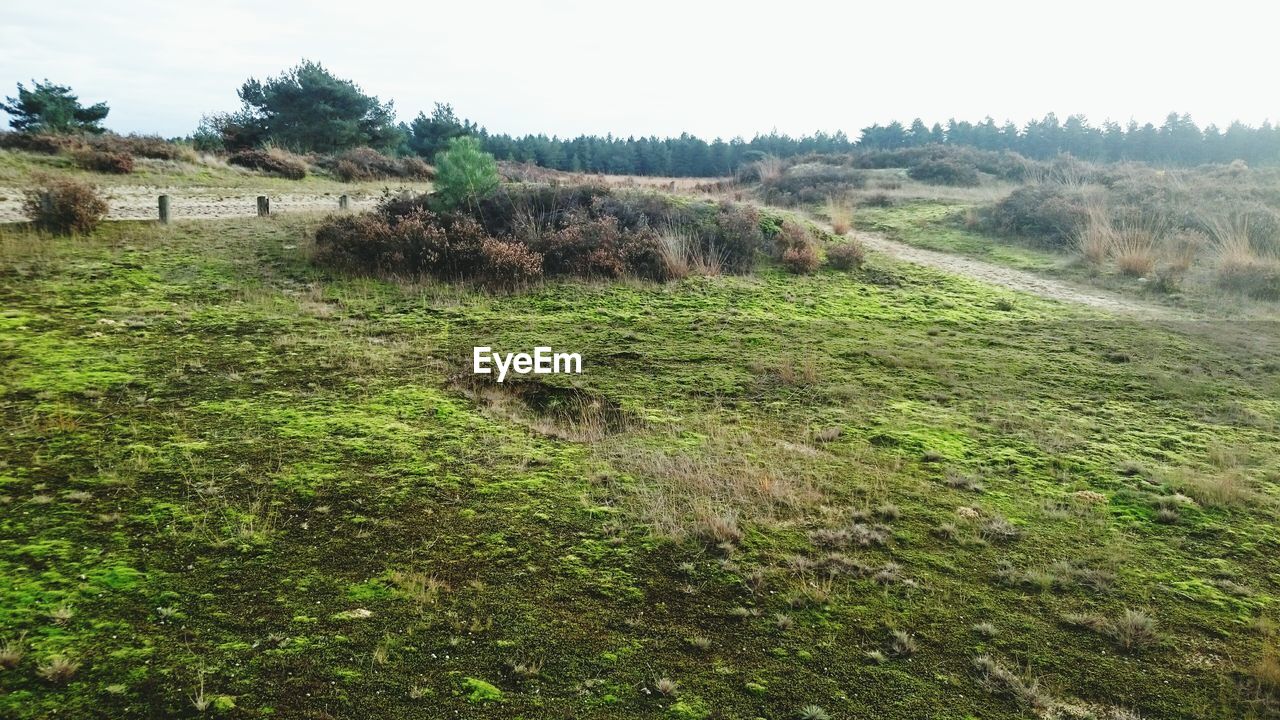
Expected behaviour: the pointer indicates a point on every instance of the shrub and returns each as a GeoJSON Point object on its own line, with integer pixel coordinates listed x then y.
{"type": "Point", "coordinates": [811, 182]}
{"type": "Point", "coordinates": [71, 207]}
{"type": "Point", "coordinates": [508, 263]}
{"type": "Point", "coordinates": [1046, 212]}
{"type": "Point", "coordinates": [272, 161]}
{"type": "Point", "coordinates": [801, 259]}
{"type": "Point", "coordinates": [944, 172]}
{"type": "Point", "coordinates": [581, 231]}
{"type": "Point", "coordinates": [146, 146]}
{"type": "Point", "coordinates": [878, 199]}
{"type": "Point", "coordinates": [464, 174]}
{"type": "Point", "coordinates": [1259, 277]}
{"type": "Point", "coordinates": [737, 237]}
{"type": "Point", "coordinates": [103, 161]}
{"type": "Point", "coordinates": [846, 256]}
{"type": "Point", "coordinates": [796, 247]}
{"type": "Point", "coordinates": [36, 142]}
{"type": "Point", "coordinates": [368, 164]}
{"type": "Point", "coordinates": [415, 168]}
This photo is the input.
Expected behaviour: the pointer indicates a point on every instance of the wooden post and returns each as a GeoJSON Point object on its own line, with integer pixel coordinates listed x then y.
{"type": "Point", "coordinates": [342, 202]}
{"type": "Point", "coordinates": [164, 209]}
{"type": "Point", "coordinates": [264, 206]}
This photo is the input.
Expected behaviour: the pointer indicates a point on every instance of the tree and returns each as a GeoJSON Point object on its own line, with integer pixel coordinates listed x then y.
{"type": "Point", "coordinates": [50, 108]}
{"type": "Point", "coordinates": [307, 108]}
{"type": "Point", "coordinates": [464, 173]}
{"type": "Point", "coordinates": [430, 135]}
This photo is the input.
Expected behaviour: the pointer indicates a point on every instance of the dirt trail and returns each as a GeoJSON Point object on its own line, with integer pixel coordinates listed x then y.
{"type": "Point", "coordinates": [1018, 279]}
{"type": "Point", "coordinates": [139, 202]}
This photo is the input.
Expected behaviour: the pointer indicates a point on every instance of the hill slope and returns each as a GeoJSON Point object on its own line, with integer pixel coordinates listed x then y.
{"type": "Point", "coordinates": [230, 480]}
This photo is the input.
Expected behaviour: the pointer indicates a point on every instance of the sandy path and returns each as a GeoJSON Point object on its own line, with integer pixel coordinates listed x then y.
{"type": "Point", "coordinates": [140, 202]}
{"type": "Point", "coordinates": [1019, 280]}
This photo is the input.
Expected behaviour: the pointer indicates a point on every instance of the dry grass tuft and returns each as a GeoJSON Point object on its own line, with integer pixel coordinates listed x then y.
{"type": "Point", "coordinates": [1225, 488]}
{"type": "Point", "coordinates": [11, 653]}
{"type": "Point", "coordinates": [839, 213]}
{"type": "Point", "coordinates": [714, 489]}
{"type": "Point", "coordinates": [58, 669]}
{"type": "Point", "coordinates": [999, 679]}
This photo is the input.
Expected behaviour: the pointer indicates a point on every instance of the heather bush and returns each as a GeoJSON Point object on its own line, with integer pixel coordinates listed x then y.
{"type": "Point", "coordinates": [272, 161]}
{"type": "Point", "coordinates": [507, 263]}
{"type": "Point", "coordinates": [846, 256]}
{"type": "Point", "coordinates": [144, 146]}
{"type": "Point", "coordinates": [1003, 164]}
{"type": "Point", "coordinates": [519, 232]}
{"type": "Point", "coordinates": [103, 161]}
{"type": "Point", "coordinates": [811, 182]}
{"type": "Point", "coordinates": [737, 237]}
{"type": "Point", "coordinates": [1048, 213]}
{"type": "Point", "coordinates": [37, 142]}
{"type": "Point", "coordinates": [64, 207]}
{"type": "Point", "coordinates": [796, 248]}
{"type": "Point", "coordinates": [362, 164]}
{"type": "Point", "coordinates": [801, 259]}
{"type": "Point", "coordinates": [944, 172]}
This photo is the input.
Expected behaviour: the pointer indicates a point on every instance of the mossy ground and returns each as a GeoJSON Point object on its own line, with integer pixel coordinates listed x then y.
{"type": "Point", "coordinates": [260, 489]}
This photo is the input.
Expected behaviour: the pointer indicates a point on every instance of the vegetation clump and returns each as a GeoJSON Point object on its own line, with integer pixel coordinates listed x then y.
{"type": "Point", "coordinates": [64, 207]}
{"type": "Point", "coordinates": [272, 161]}
{"type": "Point", "coordinates": [515, 234]}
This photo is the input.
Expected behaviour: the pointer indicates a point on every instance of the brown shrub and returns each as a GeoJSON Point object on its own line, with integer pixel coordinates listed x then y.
{"type": "Point", "coordinates": [363, 164]}
{"type": "Point", "coordinates": [103, 161]}
{"type": "Point", "coordinates": [64, 207]}
{"type": "Point", "coordinates": [272, 161]}
{"type": "Point", "coordinates": [796, 247]}
{"type": "Point", "coordinates": [802, 259]}
{"type": "Point", "coordinates": [366, 164]}
{"type": "Point", "coordinates": [146, 146]}
{"type": "Point", "coordinates": [37, 142]}
{"type": "Point", "coordinates": [1259, 277]}
{"type": "Point", "coordinates": [508, 263]}
{"type": "Point", "coordinates": [847, 256]}
{"type": "Point", "coordinates": [417, 169]}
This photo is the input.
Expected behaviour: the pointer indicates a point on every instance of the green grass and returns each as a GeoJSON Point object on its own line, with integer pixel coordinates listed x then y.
{"type": "Point", "coordinates": [18, 167]}
{"type": "Point", "coordinates": [940, 226]}
{"type": "Point", "coordinates": [258, 483]}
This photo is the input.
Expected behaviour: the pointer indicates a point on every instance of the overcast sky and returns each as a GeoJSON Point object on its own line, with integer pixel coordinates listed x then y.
{"type": "Point", "coordinates": [660, 68]}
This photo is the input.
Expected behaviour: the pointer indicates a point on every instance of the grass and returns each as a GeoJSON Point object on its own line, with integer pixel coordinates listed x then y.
{"type": "Point", "coordinates": [1126, 260]}
{"type": "Point", "coordinates": [283, 460]}
{"type": "Point", "coordinates": [17, 168]}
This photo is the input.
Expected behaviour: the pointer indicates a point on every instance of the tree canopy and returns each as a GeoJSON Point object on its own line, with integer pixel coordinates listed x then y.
{"type": "Point", "coordinates": [464, 172]}
{"type": "Point", "coordinates": [429, 135]}
{"type": "Point", "coordinates": [51, 108]}
{"type": "Point", "coordinates": [307, 108]}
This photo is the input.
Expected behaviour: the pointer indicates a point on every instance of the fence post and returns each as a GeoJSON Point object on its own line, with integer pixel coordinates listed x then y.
{"type": "Point", "coordinates": [164, 209]}
{"type": "Point", "coordinates": [342, 202]}
{"type": "Point", "coordinates": [264, 206]}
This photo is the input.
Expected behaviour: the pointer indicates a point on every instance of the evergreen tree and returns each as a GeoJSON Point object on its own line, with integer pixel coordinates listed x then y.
{"type": "Point", "coordinates": [49, 108]}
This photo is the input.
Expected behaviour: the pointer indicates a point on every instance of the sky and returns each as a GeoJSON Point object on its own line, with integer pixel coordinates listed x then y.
{"type": "Point", "coordinates": [661, 68]}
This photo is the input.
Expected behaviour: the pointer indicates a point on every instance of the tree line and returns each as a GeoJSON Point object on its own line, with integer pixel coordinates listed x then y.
{"type": "Point", "coordinates": [1177, 141]}
{"type": "Point", "coordinates": [308, 109]}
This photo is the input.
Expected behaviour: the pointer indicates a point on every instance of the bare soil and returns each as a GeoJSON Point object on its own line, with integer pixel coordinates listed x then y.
{"type": "Point", "coordinates": [140, 203]}
{"type": "Point", "coordinates": [1019, 280]}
